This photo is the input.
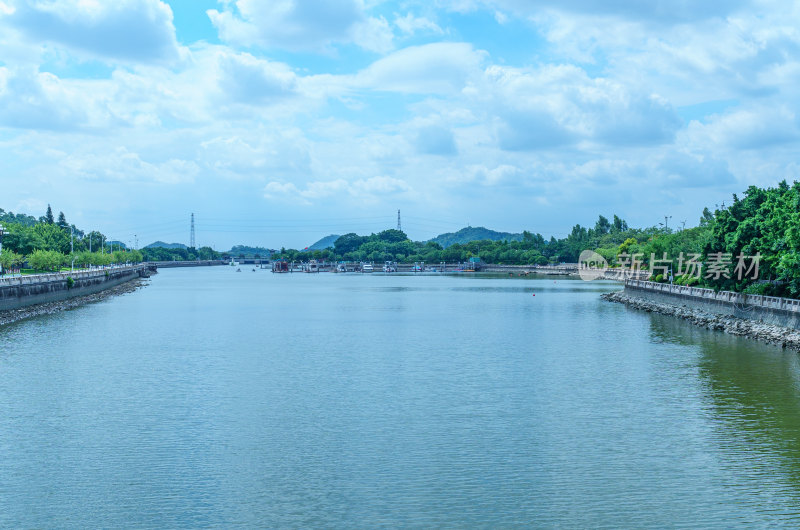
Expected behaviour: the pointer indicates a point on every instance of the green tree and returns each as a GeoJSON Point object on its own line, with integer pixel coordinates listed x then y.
{"type": "Point", "coordinates": [10, 259]}
{"type": "Point", "coordinates": [21, 239]}
{"type": "Point", "coordinates": [48, 217]}
{"type": "Point", "coordinates": [46, 260]}
{"type": "Point", "coordinates": [53, 237]}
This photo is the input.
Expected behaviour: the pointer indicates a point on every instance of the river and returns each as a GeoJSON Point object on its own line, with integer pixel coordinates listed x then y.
{"type": "Point", "coordinates": [217, 398]}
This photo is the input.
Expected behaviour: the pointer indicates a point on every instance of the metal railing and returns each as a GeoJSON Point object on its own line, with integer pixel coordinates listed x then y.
{"type": "Point", "coordinates": [29, 279]}
{"type": "Point", "coordinates": [700, 293]}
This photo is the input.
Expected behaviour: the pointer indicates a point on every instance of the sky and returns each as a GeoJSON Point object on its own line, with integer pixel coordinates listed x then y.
{"type": "Point", "coordinates": [278, 122]}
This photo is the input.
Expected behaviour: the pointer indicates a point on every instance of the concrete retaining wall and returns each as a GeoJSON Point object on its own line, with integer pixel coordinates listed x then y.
{"type": "Point", "coordinates": [768, 309]}
{"type": "Point", "coordinates": [23, 291]}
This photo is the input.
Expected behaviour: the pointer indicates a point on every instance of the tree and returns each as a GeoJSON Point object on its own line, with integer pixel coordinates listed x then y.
{"type": "Point", "coordinates": [52, 237]}
{"type": "Point", "coordinates": [619, 225]}
{"type": "Point", "coordinates": [10, 259]}
{"type": "Point", "coordinates": [348, 243]}
{"type": "Point", "coordinates": [62, 221]}
{"type": "Point", "coordinates": [46, 260]}
{"type": "Point", "coordinates": [602, 226]}
{"type": "Point", "coordinates": [21, 239]}
{"type": "Point", "coordinates": [48, 217]}
{"type": "Point", "coordinates": [707, 217]}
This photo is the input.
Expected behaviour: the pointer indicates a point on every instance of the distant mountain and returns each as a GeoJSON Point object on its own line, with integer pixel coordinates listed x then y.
{"type": "Point", "coordinates": [474, 233]}
{"type": "Point", "coordinates": [325, 242]}
{"type": "Point", "coordinates": [244, 250]}
{"type": "Point", "coordinates": [161, 244]}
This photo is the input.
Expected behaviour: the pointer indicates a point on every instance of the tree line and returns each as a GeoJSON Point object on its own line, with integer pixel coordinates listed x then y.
{"type": "Point", "coordinates": [763, 226]}
{"type": "Point", "coordinates": [764, 222]}
{"type": "Point", "coordinates": [49, 243]}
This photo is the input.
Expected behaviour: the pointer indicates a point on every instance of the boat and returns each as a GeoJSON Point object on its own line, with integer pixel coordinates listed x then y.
{"type": "Point", "coordinates": [280, 265]}
{"type": "Point", "coordinates": [311, 266]}
{"type": "Point", "coordinates": [367, 267]}
{"type": "Point", "coordinates": [341, 267]}
{"type": "Point", "coordinates": [390, 266]}
{"type": "Point", "coordinates": [418, 267]}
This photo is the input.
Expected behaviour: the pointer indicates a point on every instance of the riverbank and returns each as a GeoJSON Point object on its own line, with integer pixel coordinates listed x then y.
{"type": "Point", "coordinates": [770, 333]}
{"type": "Point", "coordinates": [49, 308]}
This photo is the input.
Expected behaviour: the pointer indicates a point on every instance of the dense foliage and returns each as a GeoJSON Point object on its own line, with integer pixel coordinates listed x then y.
{"type": "Point", "coordinates": [50, 243]}
{"type": "Point", "coordinates": [473, 233]}
{"type": "Point", "coordinates": [394, 245]}
{"type": "Point", "coordinates": [179, 254]}
{"type": "Point", "coordinates": [765, 222]}
{"type": "Point", "coordinates": [244, 251]}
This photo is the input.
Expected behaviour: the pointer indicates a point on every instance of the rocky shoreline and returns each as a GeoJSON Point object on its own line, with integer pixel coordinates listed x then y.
{"type": "Point", "coordinates": [15, 315]}
{"type": "Point", "coordinates": [781, 336]}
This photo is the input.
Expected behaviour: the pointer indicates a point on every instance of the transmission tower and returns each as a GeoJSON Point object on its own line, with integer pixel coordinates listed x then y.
{"type": "Point", "coordinates": [191, 235]}
{"type": "Point", "coordinates": [398, 221]}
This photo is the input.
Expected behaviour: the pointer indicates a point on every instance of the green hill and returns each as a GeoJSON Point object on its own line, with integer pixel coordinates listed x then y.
{"type": "Point", "coordinates": [325, 242]}
{"type": "Point", "coordinates": [161, 244]}
{"type": "Point", "coordinates": [250, 252]}
{"type": "Point", "coordinates": [474, 233]}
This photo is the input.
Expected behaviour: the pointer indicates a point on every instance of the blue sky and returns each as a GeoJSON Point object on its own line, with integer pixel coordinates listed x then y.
{"type": "Point", "coordinates": [279, 122]}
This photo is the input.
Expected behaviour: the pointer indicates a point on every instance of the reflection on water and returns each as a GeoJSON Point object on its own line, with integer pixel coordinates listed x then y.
{"type": "Point", "coordinates": [217, 399]}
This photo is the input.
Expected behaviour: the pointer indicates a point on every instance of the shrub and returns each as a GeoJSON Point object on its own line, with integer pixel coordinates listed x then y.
{"type": "Point", "coordinates": [70, 282]}
{"type": "Point", "coordinates": [660, 278]}
{"type": "Point", "coordinates": [758, 288]}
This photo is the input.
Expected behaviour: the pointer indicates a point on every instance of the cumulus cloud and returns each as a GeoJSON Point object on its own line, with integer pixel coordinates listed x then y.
{"type": "Point", "coordinates": [257, 155]}
{"type": "Point", "coordinates": [654, 11]}
{"type": "Point", "coordinates": [410, 25]}
{"type": "Point", "coordinates": [361, 189]}
{"type": "Point", "coordinates": [122, 165]}
{"type": "Point", "coordinates": [246, 79]}
{"type": "Point", "coordinates": [300, 24]}
{"type": "Point", "coordinates": [589, 115]}
{"type": "Point", "coordinates": [123, 30]}
{"type": "Point", "coordinates": [759, 127]}
{"type": "Point", "coordinates": [437, 68]}
{"type": "Point", "coordinates": [42, 101]}
{"type": "Point", "coordinates": [555, 106]}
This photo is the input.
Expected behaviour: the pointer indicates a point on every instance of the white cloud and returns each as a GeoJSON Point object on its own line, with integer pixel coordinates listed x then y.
{"type": "Point", "coordinates": [437, 68]}
{"type": "Point", "coordinates": [759, 127]}
{"type": "Point", "coordinates": [245, 79]}
{"type": "Point", "coordinates": [367, 189]}
{"type": "Point", "coordinates": [300, 25]}
{"type": "Point", "coordinates": [410, 25]}
{"type": "Point", "coordinates": [554, 106]}
{"type": "Point", "coordinates": [653, 11]}
{"type": "Point", "coordinates": [124, 166]}
{"type": "Point", "coordinates": [31, 100]}
{"type": "Point", "coordinates": [123, 30]}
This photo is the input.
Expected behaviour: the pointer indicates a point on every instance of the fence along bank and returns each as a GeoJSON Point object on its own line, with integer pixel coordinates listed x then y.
{"type": "Point", "coordinates": [24, 291]}
{"type": "Point", "coordinates": [768, 309]}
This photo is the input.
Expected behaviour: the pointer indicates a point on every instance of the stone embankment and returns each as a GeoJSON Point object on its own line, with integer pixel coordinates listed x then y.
{"type": "Point", "coordinates": [773, 334]}
{"type": "Point", "coordinates": [14, 315]}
